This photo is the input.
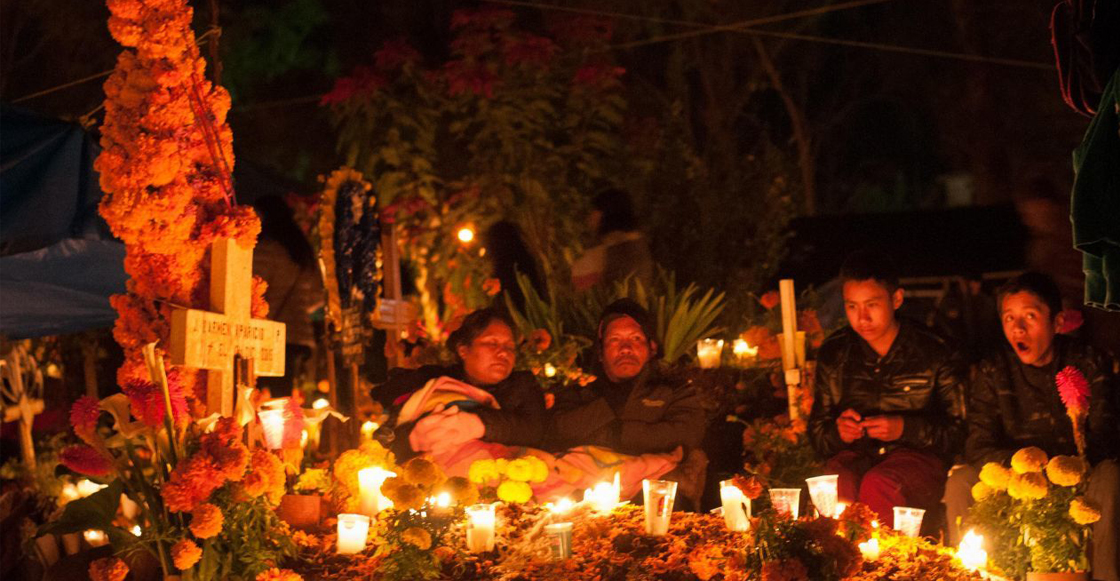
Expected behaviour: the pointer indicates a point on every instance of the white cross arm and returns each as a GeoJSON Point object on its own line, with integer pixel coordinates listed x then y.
{"type": "Point", "coordinates": [208, 340]}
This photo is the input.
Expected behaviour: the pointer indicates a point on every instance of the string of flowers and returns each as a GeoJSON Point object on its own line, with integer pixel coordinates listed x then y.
{"type": "Point", "coordinates": [167, 152]}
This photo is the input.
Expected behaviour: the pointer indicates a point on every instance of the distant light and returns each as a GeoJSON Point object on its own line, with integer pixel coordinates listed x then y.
{"type": "Point", "coordinates": [136, 530]}
{"type": "Point", "coordinates": [320, 403]}
{"type": "Point", "coordinates": [549, 370]}
{"type": "Point", "coordinates": [466, 234]}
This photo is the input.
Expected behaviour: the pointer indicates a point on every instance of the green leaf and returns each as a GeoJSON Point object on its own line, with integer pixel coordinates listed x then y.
{"type": "Point", "coordinates": [95, 511]}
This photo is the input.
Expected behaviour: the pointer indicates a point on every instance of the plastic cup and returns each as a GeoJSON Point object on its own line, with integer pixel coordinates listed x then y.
{"type": "Point", "coordinates": [908, 520]}
{"type": "Point", "coordinates": [822, 489]}
{"type": "Point", "coordinates": [659, 497]}
{"type": "Point", "coordinates": [786, 501]}
{"type": "Point", "coordinates": [559, 540]}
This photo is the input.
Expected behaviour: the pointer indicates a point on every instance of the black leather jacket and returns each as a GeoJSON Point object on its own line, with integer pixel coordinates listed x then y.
{"type": "Point", "coordinates": [920, 378]}
{"type": "Point", "coordinates": [1013, 406]}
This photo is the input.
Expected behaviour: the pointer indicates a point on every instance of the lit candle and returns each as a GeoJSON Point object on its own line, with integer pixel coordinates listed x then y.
{"type": "Point", "coordinates": [822, 489]}
{"type": "Point", "coordinates": [136, 530]}
{"type": "Point", "coordinates": [561, 507]}
{"type": "Point", "coordinates": [840, 508]}
{"type": "Point", "coordinates": [352, 531]}
{"type": "Point", "coordinates": [549, 370]}
{"type": "Point", "coordinates": [604, 496]}
{"type": "Point", "coordinates": [736, 506]}
{"type": "Point", "coordinates": [870, 549]}
{"type": "Point", "coordinates": [971, 552]}
{"type": "Point", "coordinates": [368, 428]}
{"type": "Point", "coordinates": [371, 501]}
{"type": "Point", "coordinates": [70, 492]}
{"type": "Point", "coordinates": [908, 521]}
{"type": "Point", "coordinates": [480, 528]}
{"type": "Point", "coordinates": [87, 487]}
{"type": "Point", "coordinates": [95, 538]}
{"type": "Point", "coordinates": [743, 351]}
{"type": "Point", "coordinates": [708, 351]}
{"type": "Point", "coordinates": [320, 404]}
{"type": "Point", "coordinates": [272, 424]}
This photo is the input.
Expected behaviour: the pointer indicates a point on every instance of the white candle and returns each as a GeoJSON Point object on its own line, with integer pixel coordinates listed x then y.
{"type": "Point", "coordinates": [840, 508]}
{"type": "Point", "coordinates": [561, 507]}
{"type": "Point", "coordinates": [743, 351]}
{"type": "Point", "coordinates": [789, 322]}
{"type": "Point", "coordinates": [368, 429]}
{"type": "Point", "coordinates": [371, 501]}
{"type": "Point", "coordinates": [480, 528]}
{"type": "Point", "coordinates": [95, 538]}
{"type": "Point", "coordinates": [870, 549]}
{"type": "Point", "coordinates": [352, 532]}
{"type": "Point", "coordinates": [604, 496]}
{"type": "Point", "coordinates": [708, 351]}
{"type": "Point", "coordinates": [822, 489]}
{"type": "Point", "coordinates": [736, 506]}
{"type": "Point", "coordinates": [971, 552]}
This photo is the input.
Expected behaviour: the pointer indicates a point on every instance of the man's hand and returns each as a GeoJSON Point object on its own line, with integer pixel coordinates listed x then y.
{"type": "Point", "coordinates": [848, 424]}
{"type": "Point", "coordinates": [445, 428]}
{"type": "Point", "coordinates": [885, 428]}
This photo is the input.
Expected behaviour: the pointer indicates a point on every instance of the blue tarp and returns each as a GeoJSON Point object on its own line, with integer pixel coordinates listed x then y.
{"type": "Point", "coordinates": [58, 262]}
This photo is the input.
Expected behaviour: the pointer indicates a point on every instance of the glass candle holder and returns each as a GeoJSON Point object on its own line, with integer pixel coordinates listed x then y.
{"type": "Point", "coordinates": [352, 532]}
{"type": "Point", "coordinates": [908, 520]}
{"type": "Point", "coordinates": [371, 501]}
{"type": "Point", "coordinates": [736, 506]}
{"type": "Point", "coordinates": [481, 523]}
{"type": "Point", "coordinates": [743, 351]}
{"type": "Point", "coordinates": [559, 540]}
{"type": "Point", "coordinates": [659, 497]}
{"type": "Point", "coordinates": [708, 352]}
{"type": "Point", "coordinates": [786, 501]}
{"type": "Point", "coordinates": [822, 490]}
{"type": "Point", "coordinates": [272, 426]}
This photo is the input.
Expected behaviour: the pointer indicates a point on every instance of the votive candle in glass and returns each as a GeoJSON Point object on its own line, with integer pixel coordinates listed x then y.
{"type": "Point", "coordinates": [559, 540]}
{"type": "Point", "coordinates": [708, 351]}
{"type": "Point", "coordinates": [371, 501]}
{"type": "Point", "coordinates": [659, 497]}
{"type": "Point", "coordinates": [352, 532]}
{"type": "Point", "coordinates": [908, 520]}
{"type": "Point", "coordinates": [481, 523]}
{"type": "Point", "coordinates": [822, 489]}
{"type": "Point", "coordinates": [971, 552]}
{"type": "Point", "coordinates": [786, 501]}
{"type": "Point", "coordinates": [272, 426]}
{"type": "Point", "coordinates": [743, 351]}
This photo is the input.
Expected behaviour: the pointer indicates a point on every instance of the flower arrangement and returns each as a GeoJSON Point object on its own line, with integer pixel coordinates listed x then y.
{"type": "Point", "coordinates": [777, 451]}
{"type": "Point", "coordinates": [165, 168]}
{"type": "Point", "coordinates": [764, 325]}
{"type": "Point", "coordinates": [1034, 513]}
{"type": "Point", "coordinates": [205, 502]}
{"type": "Point", "coordinates": [508, 480]}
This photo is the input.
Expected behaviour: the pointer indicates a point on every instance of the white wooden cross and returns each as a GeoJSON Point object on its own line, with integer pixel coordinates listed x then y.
{"type": "Point", "coordinates": [211, 339]}
{"type": "Point", "coordinates": [21, 383]}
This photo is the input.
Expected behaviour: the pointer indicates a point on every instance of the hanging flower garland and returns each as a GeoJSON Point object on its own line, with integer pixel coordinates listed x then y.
{"type": "Point", "coordinates": [165, 167]}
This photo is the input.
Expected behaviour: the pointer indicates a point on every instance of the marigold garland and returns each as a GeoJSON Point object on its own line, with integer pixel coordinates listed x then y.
{"type": "Point", "coordinates": [167, 153]}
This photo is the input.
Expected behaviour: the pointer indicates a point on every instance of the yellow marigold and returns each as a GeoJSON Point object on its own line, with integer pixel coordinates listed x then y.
{"type": "Point", "coordinates": [513, 491]}
{"type": "Point", "coordinates": [1083, 512]}
{"type": "Point", "coordinates": [1029, 486]}
{"type": "Point", "coordinates": [418, 537]}
{"type": "Point", "coordinates": [462, 491]}
{"type": "Point", "coordinates": [1029, 460]}
{"type": "Point", "coordinates": [423, 472]}
{"type": "Point", "coordinates": [980, 491]}
{"type": "Point", "coordinates": [540, 469]}
{"type": "Point", "coordinates": [1065, 470]}
{"type": "Point", "coordinates": [266, 476]}
{"type": "Point", "coordinates": [520, 470]}
{"type": "Point", "coordinates": [108, 569]}
{"type": "Point", "coordinates": [206, 521]}
{"type": "Point", "coordinates": [185, 554]}
{"type": "Point", "coordinates": [483, 471]}
{"type": "Point", "coordinates": [995, 475]}
{"type": "Point", "coordinates": [275, 574]}
{"type": "Point", "coordinates": [404, 496]}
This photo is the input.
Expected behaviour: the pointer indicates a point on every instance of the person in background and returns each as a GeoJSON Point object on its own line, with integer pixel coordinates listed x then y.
{"type": "Point", "coordinates": [486, 349]}
{"type": "Point", "coordinates": [1015, 404]}
{"type": "Point", "coordinates": [284, 258]}
{"type": "Point", "coordinates": [620, 250]}
{"type": "Point", "coordinates": [888, 407]}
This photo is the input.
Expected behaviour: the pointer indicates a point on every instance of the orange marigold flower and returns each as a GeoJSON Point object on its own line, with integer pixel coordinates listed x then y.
{"type": "Point", "coordinates": [540, 339]}
{"type": "Point", "coordinates": [418, 537]}
{"type": "Point", "coordinates": [185, 554]}
{"type": "Point", "coordinates": [784, 570]}
{"type": "Point", "coordinates": [275, 574]}
{"type": "Point", "coordinates": [749, 485]}
{"type": "Point", "coordinates": [191, 483]}
{"type": "Point", "coordinates": [108, 569]}
{"type": "Point", "coordinates": [223, 445]}
{"type": "Point", "coordinates": [206, 521]}
{"type": "Point", "coordinates": [423, 472]}
{"type": "Point", "coordinates": [265, 476]}
{"type": "Point", "coordinates": [85, 460]}
{"type": "Point", "coordinates": [83, 417]}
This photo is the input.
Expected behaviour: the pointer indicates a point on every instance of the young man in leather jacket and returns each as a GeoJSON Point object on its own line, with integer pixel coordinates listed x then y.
{"type": "Point", "coordinates": [1015, 404]}
{"type": "Point", "coordinates": [888, 408]}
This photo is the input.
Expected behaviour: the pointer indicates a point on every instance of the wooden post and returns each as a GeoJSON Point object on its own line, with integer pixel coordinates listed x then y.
{"type": "Point", "coordinates": [22, 401]}
{"type": "Point", "coordinates": [211, 339]}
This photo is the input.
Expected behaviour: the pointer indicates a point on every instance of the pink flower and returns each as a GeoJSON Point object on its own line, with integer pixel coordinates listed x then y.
{"type": "Point", "coordinates": [85, 460]}
{"type": "Point", "coordinates": [293, 423]}
{"type": "Point", "coordinates": [83, 417]}
{"type": "Point", "coordinates": [1071, 321]}
{"type": "Point", "coordinates": [1073, 388]}
{"type": "Point", "coordinates": [146, 400]}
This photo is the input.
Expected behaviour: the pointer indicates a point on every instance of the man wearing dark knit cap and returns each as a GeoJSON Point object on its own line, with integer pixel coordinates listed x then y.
{"type": "Point", "coordinates": [632, 408]}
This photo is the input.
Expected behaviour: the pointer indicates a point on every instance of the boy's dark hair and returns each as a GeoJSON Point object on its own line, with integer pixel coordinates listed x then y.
{"type": "Point", "coordinates": [474, 324]}
{"type": "Point", "coordinates": [1039, 284]}
{"type": "Point", "coordinates": [870, 265]}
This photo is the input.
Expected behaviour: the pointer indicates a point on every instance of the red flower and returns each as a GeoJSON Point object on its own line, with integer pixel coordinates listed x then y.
{"type": "Point", "coordinates": [749, 485]}
{"type": "Point", "coordinates": [770, 300]}
{"type": "Point", "coordinates": [146, 401]}
{"type": "Point", "coordinates": [395, 54]}
{"type": "Point", "coordinates": [363, 82]}
{"type": "Point", "coordinates": [463, 77]}
{"type": "Point", "coordinates": [85, 460]}
{"type": "Point", "coordinates": [549, 400]}
{"type": "Point", "coordinates": [83, 417]}
{"type": "Point", "coordinates": [1073, 388]}
{"type": "Point", "coordinates": [540, 340]}
{"type": "Point", "coordinates": [491, 286]}
{"type": "Point", "coordinates": [597, 76]}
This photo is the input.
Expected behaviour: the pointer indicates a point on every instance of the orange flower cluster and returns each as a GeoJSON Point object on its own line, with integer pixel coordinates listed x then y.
{"type": "Point", "coordinates": [167, 154]}
{"type": "Point", "coordinates": [265, 476]}
{"type": "Point", "coordinates": [108, 569]}
{"type": "Point", "coordinates": [221, 457]}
